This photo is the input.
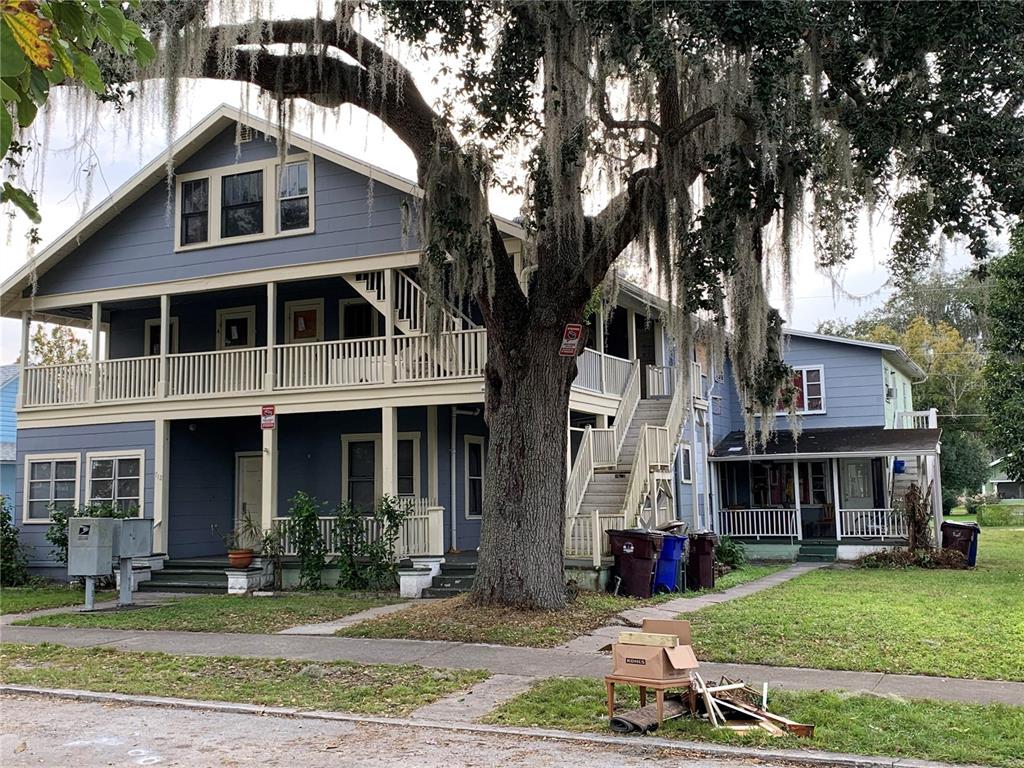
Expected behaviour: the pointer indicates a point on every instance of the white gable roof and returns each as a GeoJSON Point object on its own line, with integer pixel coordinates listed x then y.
{"type": "Point", "coordinates": [155, 171]}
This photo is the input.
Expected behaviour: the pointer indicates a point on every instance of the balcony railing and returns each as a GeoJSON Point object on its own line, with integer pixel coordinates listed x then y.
{"type": "Point", "coordinates": [917, 419]}
{"type": "Point", "coordinates": [413, 359]}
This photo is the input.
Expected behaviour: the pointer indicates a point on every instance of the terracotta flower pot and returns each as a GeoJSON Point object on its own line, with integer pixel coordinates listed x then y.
{"type": "Point", "coordinates": [240, 558]}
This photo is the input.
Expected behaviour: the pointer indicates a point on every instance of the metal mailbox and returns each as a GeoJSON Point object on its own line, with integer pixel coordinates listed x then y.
{"type": "Point", "coordinates": [91, 545]}
{"type": "Point", "coordinates": [134, 538]}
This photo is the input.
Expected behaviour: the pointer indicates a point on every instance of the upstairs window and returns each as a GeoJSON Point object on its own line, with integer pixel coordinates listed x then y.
{"type": "Point", "coordinates": [809, 382]}
{"type": "Point", "coordinates": [293, 197]}
{"type": "Point", "coordinates": [241, 205]}
{"type": "Point", "coordinates": [195, 211]}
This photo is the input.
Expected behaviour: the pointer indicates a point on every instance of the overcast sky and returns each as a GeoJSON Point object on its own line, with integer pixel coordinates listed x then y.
{"type": "Point", "coordinates": [118, 148]}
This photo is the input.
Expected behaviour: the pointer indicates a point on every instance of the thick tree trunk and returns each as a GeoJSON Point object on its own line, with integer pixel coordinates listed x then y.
{"type": "Point", "coordinates": [528, 387]}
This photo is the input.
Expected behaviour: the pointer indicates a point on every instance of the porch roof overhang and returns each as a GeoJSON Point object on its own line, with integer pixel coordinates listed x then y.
{"type": "Point", "coordinates": [842, 442]}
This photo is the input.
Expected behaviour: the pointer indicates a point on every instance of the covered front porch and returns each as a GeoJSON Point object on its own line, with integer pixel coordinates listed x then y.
{"type": "Point", "coordinates": [830, 485]}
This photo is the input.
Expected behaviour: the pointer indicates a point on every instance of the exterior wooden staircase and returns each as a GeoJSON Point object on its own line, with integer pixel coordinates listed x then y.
{"type": "Point", "coordinates": [409, 302]}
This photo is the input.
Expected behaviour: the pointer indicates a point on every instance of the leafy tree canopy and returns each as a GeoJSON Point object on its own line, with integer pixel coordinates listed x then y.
{"type": "Point", "coordinates": [56, 345]}
{"type": "Point", "coordinates": [1004, 370]}
{"type": "Point", "coordinates": [964, 463]}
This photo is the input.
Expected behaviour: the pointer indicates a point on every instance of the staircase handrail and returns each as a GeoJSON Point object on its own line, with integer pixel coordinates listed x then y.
{"type": "Point", "coordinates": [627, 407]}
{"type": "Point", "coordinates": [579, 476]}
{"type": "Point", "coordinates": [408, 292]}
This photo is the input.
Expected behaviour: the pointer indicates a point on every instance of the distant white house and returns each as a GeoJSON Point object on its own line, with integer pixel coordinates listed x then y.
{"type": "Point", "coordinates": [998, 484]}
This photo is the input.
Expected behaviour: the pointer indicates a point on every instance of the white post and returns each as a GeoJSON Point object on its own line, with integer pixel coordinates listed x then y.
{"type": "Point", "coordinates": [26, 323]}
{"type": "Point", "coordinates": [268, 379]}
{"type": "Point", "coordinates": [165, 342]}
{"type": "Point", "coordinates": [389, 326]}
{"type": "Point", "coordinates": [936, 475]}
{"type": "Point", "coordinates": [602, 420]}
{"type": "Point", "coordinates": [432, 453]}
{"type": "Point", "coordinates": [599, 344]}
{"type": "Point", "coordinates": [796, 500]}
{"type": "Point", "coordinates": [161, 482]}
{"type": "Point", "coordinates": [631, 333]}
{"type": "Point", "coordinates": [268, 500]}
{"type": "Point", "coordinates": [389, 450]}
{"type": "Point", "coordinates": [95, 367]}
{"type": "Point", "coordinates": [836, 499]}
{"type": "Point", "coordinates": [597, 537]}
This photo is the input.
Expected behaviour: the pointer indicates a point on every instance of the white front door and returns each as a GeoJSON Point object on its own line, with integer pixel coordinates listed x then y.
{"type": "Point", "coordinates": [857, 484]}
{"type": "Point", "coordinates": [248, 488]}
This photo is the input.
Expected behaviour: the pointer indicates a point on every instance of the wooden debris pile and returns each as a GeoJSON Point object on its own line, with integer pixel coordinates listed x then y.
{"type": "Point", "coordinates": [728, 704]}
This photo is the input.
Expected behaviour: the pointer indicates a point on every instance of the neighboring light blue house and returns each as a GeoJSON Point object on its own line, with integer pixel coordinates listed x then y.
{"type": "Point", "coordinates": [268, 338]}
{"type": "Point", "coordinates": [8, 429]}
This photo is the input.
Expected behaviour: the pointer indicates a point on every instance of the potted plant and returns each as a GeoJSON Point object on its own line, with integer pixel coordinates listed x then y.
{"type": "Point", "coordinates": [240, 540]}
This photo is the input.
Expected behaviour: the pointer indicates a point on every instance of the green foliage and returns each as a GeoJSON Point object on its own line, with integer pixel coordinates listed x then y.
{"type": "Point", "coordinates": [304, 532]}
{"type": "Point", "coordinates": [364, 562]}
{"type": "Point", "coordinates": [730, 552]}
{"type": "Point", "coordinates": [922, 557]}
{"type": "Point", "coordinates": [13, 563]}
{"type": "Point", "coordinates": [964, 463]}
{"type": "Point", "coordinates": [57, 532]}
{"type": "Point", "coordinates": [973, 502]}
{"type": "Point", "coordinates": [1004, 370]}
{"type": "Point", "coordinates": [1001, 515]}
{"type": "Point", "coordinates": [57, 345]}
{"type": "Point", "coordinates": [45, 44]}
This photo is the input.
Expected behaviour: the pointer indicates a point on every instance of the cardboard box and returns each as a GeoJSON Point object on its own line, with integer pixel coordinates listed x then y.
{"type": "Point", "coordinates": [656, 663]}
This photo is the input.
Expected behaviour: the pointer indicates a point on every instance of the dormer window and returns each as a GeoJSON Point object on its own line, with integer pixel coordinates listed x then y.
{"type": "Point", "coordinates": [195, 211]}
{"type": "Point", "coordinates": [241, 204]}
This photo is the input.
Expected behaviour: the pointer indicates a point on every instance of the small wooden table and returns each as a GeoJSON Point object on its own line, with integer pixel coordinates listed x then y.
{"type": "Point", "coordinates": [658, 686]}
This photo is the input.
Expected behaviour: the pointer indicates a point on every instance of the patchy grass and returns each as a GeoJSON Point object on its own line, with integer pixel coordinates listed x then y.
{"type": "Point", "coordinates": [24, 599]}
{"type": "Point", "coordinates": [380, 689]}
{"type": "Point", "coordinates": [224, 613]}
{"type": "Point", "coordinates": [455, 619]}
{"type": "Point", "coordinates": [951, 623]}
{"type": "Point", "coordinates": [991, 734]}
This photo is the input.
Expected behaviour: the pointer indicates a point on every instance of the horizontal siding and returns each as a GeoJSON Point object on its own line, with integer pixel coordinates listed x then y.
{"type": "Point", "coordinates": [8, 419]}
{"type": "Point", "coordinates": [137, 247]}
{"type": "Point", "coordinates": [127, 436]}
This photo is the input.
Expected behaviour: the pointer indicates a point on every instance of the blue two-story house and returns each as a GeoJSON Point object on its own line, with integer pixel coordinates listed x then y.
{"type": "Point", "coordinates": [262, 333]}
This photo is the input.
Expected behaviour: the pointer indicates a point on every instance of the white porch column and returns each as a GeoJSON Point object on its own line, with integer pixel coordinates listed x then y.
{"type": "Point", "coordinates": [836, 499]}
{"type": "Point", "coordinates": [796, 501]}
{"type": "Point", "coordinates": [602, 420]}
{"type": "Point", "coordinates": [936, 475]}
{"type": "Point", "coordinates": [432, 448]}
{"type": "Point", "coordinates": [599, 343]}
{"type": "Point", "coordinates": [268, 501]}
{"type": "Point", "coordinates": [631, 334]}
{"type": "Point", "coordinates": [95, 348]}
{"type": "Point", "coordinates": [659, 342]}
{"type": "Point", "coordinates": [165, 342]}
{"type": "Point", "coordinates": [389, 450]}
{"type": "Point", "coordinates": [268, 379]}
{"type": "Point", "coordinates": [389, 326]}
{"type": "Point", "coordinates": [26, 323]}
{"type": "Point", "coordinates": [161, 482]}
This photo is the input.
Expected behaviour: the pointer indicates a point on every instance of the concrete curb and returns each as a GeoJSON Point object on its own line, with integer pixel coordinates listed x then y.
{"type": "Point", "coordinates": [698, 749]}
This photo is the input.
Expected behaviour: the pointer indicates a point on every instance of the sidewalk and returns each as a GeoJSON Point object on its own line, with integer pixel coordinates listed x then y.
{"type": "Point", "coordinates": [503, 660]}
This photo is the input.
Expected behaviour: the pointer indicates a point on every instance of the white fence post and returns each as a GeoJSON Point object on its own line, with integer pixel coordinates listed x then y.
{"type": "Point", "coordinates": [597, 537]}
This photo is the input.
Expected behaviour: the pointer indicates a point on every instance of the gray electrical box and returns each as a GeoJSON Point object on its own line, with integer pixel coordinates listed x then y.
{"type": "Point", "coordinates": [91, 545]}
{"type": "Point", "coordinates": [135, 538]}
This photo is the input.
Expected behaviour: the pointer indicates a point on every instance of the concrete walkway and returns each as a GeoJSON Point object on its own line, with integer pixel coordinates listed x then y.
{"type": "Point", "coordinates": [501, 660]}
{"type": "Point", "coordinates": [330, 627]}
{"type": "Point", "coordinates": [601, 636]}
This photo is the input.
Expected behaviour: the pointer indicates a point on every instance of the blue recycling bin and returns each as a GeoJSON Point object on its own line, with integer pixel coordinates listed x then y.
{"type": "Point", "coordinates": [667, 570]}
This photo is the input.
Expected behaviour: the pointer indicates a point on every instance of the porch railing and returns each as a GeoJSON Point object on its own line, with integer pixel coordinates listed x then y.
{"type": "Point", "coordinates": [226, 372]}
{"type": "Point", "coordinates": [128, 378]}
{"type": "Point", "coordinates": [331, 363]}
{"type": "Point", "coordinates": [421, 534]}
{"type": "Point", "coordinates": [756, 523]}
{"type": "Point", "coordinates": [455, 355]}
{"type": "Point", "coordinates": [881, 523]}
{"type": "Point", "coordinates": [47, 385]}
{"type": "Point", "coordinates": [586, 528]}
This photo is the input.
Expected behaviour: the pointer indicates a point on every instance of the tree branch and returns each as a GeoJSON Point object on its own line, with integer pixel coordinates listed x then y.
{"type": "Point", "coordinates": [629, 125]}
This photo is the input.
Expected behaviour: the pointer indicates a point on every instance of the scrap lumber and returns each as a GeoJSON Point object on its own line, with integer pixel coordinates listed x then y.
{"type": "Point", "coordinates": [649, 638]}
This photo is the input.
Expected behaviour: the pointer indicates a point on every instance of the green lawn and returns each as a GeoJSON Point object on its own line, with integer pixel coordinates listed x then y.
{"type": "Point", "coordinates": [865, 724]}
{"type": "Point", "coordinates": [933, 622]}
{"type": "Point", "coordinates": [380, 689]}
{"type": "Point", "coordinates": [224, 613]}
{"type": "Point", "coordinates": [22, 599]}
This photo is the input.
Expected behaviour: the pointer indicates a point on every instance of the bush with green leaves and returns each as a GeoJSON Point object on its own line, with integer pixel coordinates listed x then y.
{"type": "Point", "coordinates": [57, 533]}
{"type": "Point", "coordinates": [996, 515]}
{"type": "Point", "coordinates": [366, 562]}
{"type": "Point", "coordinates": [304, 513]}
{"type": "Point", "coordinates": [973, 502]}
{"type": "Point", "coordinates": [13, 563]}
{"type": "Point", "coordinates": [730, 552]}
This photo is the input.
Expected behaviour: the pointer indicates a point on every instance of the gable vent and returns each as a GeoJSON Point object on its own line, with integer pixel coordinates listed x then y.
{"type": "Point", "coordinates": [243, 134]}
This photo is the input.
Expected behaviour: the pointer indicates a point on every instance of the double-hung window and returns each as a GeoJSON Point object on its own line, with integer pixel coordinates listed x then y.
{"type": "Point", "coordinates": [809, 382]}
{"type": "Point", "coordinates": [116, 480]}
{"type": "Point", "coordinates": [241, 204]}
{"type": "Point", "coordinates": [293, 197]}
{"type": "Point", "coordinates": [195, 211]}
{"type": "Point", "coordinates": [474, 476]}
{"type": "Point", "coordinates": [407, 468]}
{"type": "Point", "coordinates": [50, 482]}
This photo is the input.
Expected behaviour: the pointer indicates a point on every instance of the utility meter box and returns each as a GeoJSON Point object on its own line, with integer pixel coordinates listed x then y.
{"type": "Point", "coordinates": [91, 545]}
{"type": "Point", "coordinates": [134, 539]}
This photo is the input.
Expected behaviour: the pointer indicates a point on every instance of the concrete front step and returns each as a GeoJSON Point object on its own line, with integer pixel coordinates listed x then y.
{"type": "Point", "coordinates": [183, 586]}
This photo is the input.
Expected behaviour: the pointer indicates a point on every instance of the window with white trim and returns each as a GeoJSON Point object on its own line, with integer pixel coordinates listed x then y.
{"type": "Point", "coordinates": [474, 476]}
{"type": "Point", "coordinates": [241, 204]}
{"type": "Point", "coordinates": [195, 211]}
{"type": "Point", "coordinates": [809, 382]}
{"type": "Point", "coordinates": [51, 482]}
{"type": "Point", "coordinates": [686, 459]}
{"type": "Point", "coordinates": [116, 479]}
{"type": "Point", "coordinates": [293, 197]}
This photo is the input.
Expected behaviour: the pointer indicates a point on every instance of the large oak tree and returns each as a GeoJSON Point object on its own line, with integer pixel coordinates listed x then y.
{"type": "Point", "coordinates": [697, 135]}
